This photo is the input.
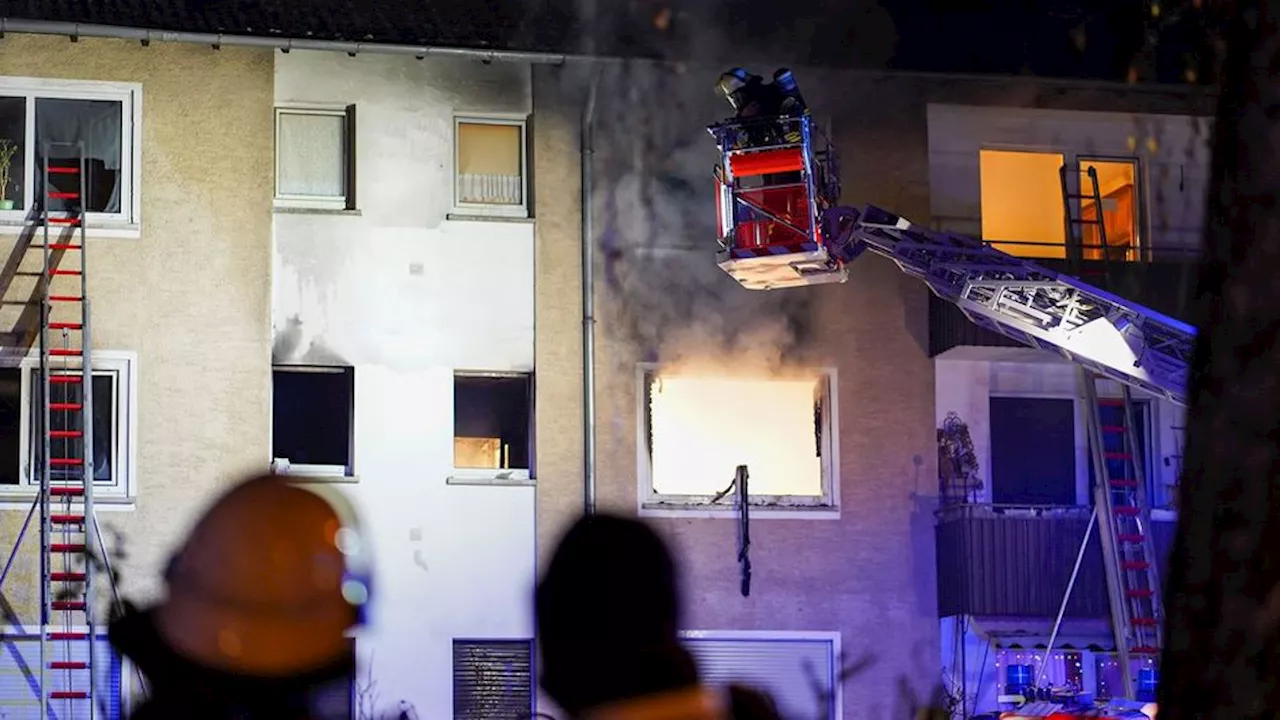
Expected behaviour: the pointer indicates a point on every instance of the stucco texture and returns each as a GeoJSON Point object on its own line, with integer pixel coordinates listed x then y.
{"type": "Point", "coordinates": [190, 297]}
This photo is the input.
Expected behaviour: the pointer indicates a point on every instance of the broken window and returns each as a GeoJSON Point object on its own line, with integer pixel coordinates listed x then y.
{"type": "Point", "coordinates": [492, 417]}
{"type": "Point", "coordinates": [312, 418]}
{"type": "Point", "coordinates": [699, 428]}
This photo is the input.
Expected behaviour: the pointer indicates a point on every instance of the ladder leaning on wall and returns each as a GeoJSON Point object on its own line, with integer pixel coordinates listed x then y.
{"type": "Point", "coordinates": [64, 445]}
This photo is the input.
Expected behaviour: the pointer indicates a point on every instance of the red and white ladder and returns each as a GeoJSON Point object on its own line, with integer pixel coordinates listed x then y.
{"type": "Point", "coordinates": [1128, 551]}
{"type": "Point", "coordinates": [64, 444]}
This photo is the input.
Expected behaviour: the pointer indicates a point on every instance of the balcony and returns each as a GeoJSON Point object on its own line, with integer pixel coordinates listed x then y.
{"type": "Point", "coordinates": [1163, 281]}
{"type": "Point", "coordinates": [1005, 561]}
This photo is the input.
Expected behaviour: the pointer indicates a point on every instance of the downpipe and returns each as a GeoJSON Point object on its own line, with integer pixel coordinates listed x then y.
{"type": "Point", "coordinates": [589, 298]}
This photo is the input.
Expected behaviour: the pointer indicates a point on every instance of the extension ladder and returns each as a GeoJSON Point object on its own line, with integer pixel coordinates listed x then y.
{"type": "Point", "coordinates": [1075, 192]}
{"type": "Point", "coordinates": [64, 445]}
{"type": "Point", "coordinates": [1120, 496]}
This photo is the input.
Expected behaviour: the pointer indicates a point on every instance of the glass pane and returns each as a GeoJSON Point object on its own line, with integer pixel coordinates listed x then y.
{"type": "Point", "coordinates": [1022, 202]}
{"type": "Point", "coordinates": [1117, 187]}
{"type": "Point", "coordinates": [10, 424]}
{"type": "Point", "coordinates": [311, 156]}
{"type": "Point", "coordinates": [73, 447]}
{"type": "Point", "coordinates": [99, 125]}
{"type": "Point", "coordinates": [13, 138]}
{"type": "Point", "coordinates": [489, 162]}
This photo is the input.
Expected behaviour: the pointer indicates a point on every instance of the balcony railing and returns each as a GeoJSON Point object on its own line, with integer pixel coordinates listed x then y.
{"type": "Point", "coordinates": [1015, 561]}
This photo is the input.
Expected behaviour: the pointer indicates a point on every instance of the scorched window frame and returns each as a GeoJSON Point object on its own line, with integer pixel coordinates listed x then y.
{"type": "Point", "coordinates": [652, 502]}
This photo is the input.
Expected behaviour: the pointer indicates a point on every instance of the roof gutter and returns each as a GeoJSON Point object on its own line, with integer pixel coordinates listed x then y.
{"type": "Point", "coordinates": [217, 40]}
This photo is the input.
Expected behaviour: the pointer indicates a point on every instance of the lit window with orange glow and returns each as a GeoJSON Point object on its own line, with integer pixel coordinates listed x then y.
{"type": "Point", "coordinates": [698, 427]}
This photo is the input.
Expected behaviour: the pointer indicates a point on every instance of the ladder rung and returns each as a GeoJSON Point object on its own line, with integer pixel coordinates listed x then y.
{"type": "Point", "coordinates": [1126, 510]}
{"type": "Point", "coordinates": [1129, 538]}
{"type": "Point", "coordinates": [65, 490]}
{"type": "Point", "coordinates": [1112, 428]}
{"type": "Point", "coordinates": [1118, 456]}
{"type": "Point", "coordinates": [64, 519]}
{"type": "Point", "coordinates": [62, 635]}
{"type": "Point", "coordinates": [60, 246]}
{"type": "Point", "coordinates": [1144, 650]}
{"type": "Point", "coordinates": [65, 272]}
{"type": "Point", "coordinates": [63, 194]}
{"type": "Point", "coordinates": [1139, 593]}
{"type": "Point", "coordinates": [1135, 565]}
{"type": "Point", "coordinates": [1144, 622]}
{"type": "Point", "coordinates": [65, 298]}
{"type": "Point", "coordinates": [66, 547]}
{"type": "Point", "coordinates": [66, 325]}
{"type": "Point", "coordinates": [69, 695]}
{"type": "Point", "coordinates": [64, 221]}
{"type": "Point", "coordinates": [66, 462]}
{"type": "Point", "coordinates": [67, 605]}
{"type": "Point", "coordinates": [68, 665]}
{"type": "Point", "coordinates": [1123, 482]}
{"type": "Point", "coordinates": [66, 407]}
{"type": "Point", "coordinates": [66, 433]}
{"type": "Point", "coordinates": [63, 169]}
{"type": "Point", "coordinates": [66, 352]}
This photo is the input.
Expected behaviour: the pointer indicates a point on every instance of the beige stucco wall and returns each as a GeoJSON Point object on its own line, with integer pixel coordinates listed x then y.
{"type": "Point", "coordinates": [190, 297]}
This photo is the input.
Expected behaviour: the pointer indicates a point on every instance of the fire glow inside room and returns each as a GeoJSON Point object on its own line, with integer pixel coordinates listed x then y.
{"type": "Point", "coordinates": [700, 425]}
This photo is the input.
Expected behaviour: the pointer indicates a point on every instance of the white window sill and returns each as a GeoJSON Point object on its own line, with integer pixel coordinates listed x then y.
{"type": "Point", "coordinates": [338, 210]}
{"type": "Point", "coordinates": [100, 229]}
{"type": "Point", "coordinates": [478, 217]}
{"type": "Point", "coordinates": [726, 510]}
{"type": "Point", "coordinates": [490, 478]}
{"type": "Point", "coordinates": [23, 500]}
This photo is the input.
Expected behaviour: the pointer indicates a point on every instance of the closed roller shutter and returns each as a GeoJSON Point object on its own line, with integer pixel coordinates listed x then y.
{"type": "Point", "coordinates": [20, 677]}
{"type": "Point", "coordinates": [492, 679]}
{"type": "Point", "coordinates": [785, 668]}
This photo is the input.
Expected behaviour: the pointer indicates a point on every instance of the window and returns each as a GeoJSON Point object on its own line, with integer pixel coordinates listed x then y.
{"type": "Point", "coordinates": [492, 421]}
{"type": "Point", "coordinates": [20, 673]}
{"type": "Point", "coordinates": [696, 429]}
{"type": "Point", "coordinates": [1117, 188]}
{"type": "Point", "coordinates": [316, 158]}
{"type": "Point", "coordinates": [1022, 202]}
{"type": "Point", "coordinates": [37, 114]}
{"type": "Point", "coordinates": [1033, 451]}
{"type": "Point", "coordinates": [114, 420]}
{"type": "Point", "coordinates": [490, 162]}
{"type": "Point", "coordinates": [798, 670]}
{"type": "Point", "coordinates": [312, 414]}
{"type": "Point", "coordinates": [492, 679]}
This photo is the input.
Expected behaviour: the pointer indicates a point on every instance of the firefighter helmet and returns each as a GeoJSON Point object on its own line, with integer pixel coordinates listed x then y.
{"type": "Point", "coordinates": [731, 85]}
{"type": "Point", "coordinates": [269, 581]}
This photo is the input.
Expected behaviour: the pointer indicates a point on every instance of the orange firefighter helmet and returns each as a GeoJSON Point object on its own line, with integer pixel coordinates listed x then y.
{"type": "Point", "coordinates": [269, 581]}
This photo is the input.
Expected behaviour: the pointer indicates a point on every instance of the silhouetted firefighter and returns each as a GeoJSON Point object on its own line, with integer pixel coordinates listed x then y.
{"type": "Point", "coordinates": [608, 627]}
{"type": "Point", "coordinates": [260, 599]}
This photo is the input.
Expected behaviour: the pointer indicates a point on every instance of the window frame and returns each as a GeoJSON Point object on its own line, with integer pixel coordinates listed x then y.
{"type": "Point", "coordinates": [826, 506]}
{"type": "Point", "coordinates": [520, 121]}
{"type": "Point", "coordinates": [1141, 252]}
{"type": "Point", "coordinates": [128, 221]}
{"type": "Point", "coordinates": [493, 476]}
{"type": "Point", "coordinates": [122, 365]}
{"type": "Point", "coordinates": [347, 200]}
{"type": "Point", "coordinates": [306, 471]}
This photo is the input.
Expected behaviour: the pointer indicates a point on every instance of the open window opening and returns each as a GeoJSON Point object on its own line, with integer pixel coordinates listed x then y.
{"type": "Point", "coordinates": [492, 423]}
{"type": "Point", "coordinates": [697, 428]}
{"type": "Point", "coordinates": [312, 420]}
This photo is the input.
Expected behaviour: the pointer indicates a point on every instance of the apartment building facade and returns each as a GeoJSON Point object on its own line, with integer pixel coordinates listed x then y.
{"type": "Point", "coordinates": [178, 267]}
{"type": "Point", "coordinates": [421, 223]}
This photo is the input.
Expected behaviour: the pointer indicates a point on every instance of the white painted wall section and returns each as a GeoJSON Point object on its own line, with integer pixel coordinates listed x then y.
{"type": "Point", "coordinates": [407, 297]}
{"type": "Point", "coordinates": [1172, 150]}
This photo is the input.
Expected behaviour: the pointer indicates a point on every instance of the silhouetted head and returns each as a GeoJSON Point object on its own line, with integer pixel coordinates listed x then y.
{"type": "Point", "coordinates": [608, 616]}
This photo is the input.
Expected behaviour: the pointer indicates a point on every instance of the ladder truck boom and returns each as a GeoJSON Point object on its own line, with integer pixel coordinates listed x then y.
{"type": "Point", "coordinates": [780, 226]}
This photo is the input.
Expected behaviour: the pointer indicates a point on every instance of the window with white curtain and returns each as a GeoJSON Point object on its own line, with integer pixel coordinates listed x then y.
{"type": "Point", "coordinates": [60, 119]}
{"type": "Point", "coordinates": [315, 158]}
{"type": "Point", "coordinates": [489, 160]}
